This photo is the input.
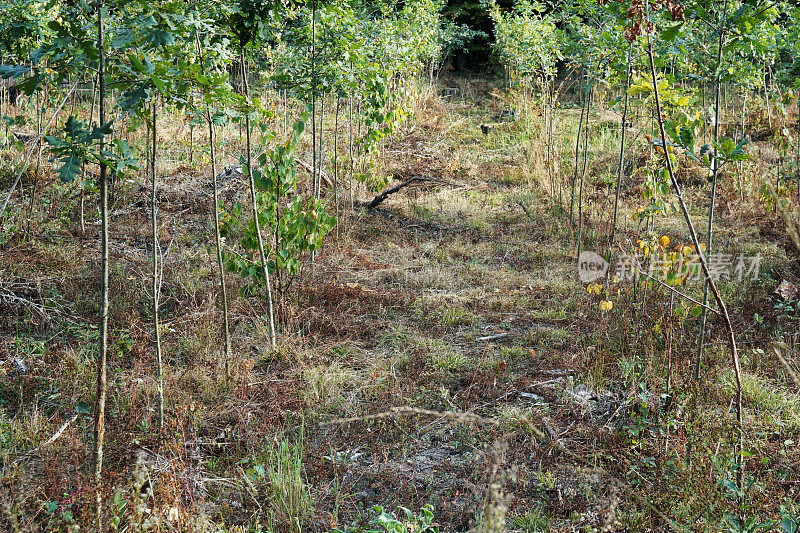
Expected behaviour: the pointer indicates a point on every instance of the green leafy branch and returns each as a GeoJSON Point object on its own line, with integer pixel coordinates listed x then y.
{"type": "Point", "coordinates": [81, 145]}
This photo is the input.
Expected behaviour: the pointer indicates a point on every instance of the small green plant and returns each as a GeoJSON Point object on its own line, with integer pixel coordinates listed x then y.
{"type": "Point", "coordinates": [742, 521]}
{"type": "Point", "coordinates": [278, 479]}
{"type": "Point", "coordinates": [62, 519]}
{"type": "Point", "coordinates": [750, 525]}
{"type": "Point", "coordinates": [421, 523]}
{"type": "Point", "coordinates": [790, 522]}
{"type": "Point", "coordinates": [297, 224]}
{"type": "Point", "coordinates": [533, 521]}
{"type": "Point", "coordinates": [390, 523]}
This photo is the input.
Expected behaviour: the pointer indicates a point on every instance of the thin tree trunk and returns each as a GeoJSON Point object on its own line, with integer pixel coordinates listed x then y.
{"type": "Point", "coordinates": [5, 108]}
{"type": "Point", "coordinates": [551, 148]}
{"type": "Point", "coordinates": [621, 154]}
{"type": "Point", "coordinates": [352, 163]}
{"type": "Point", "coordinates": [191, 133]}
{"type": "Point", "coordinates": [547, 148]}
{"type": "Point", "coordinates": [575, 173]}
{"type": "Point", "coordinates": [91, 108]}
{"type": "Point", "coordinates": [83, 185]}
{"type": "Point", "coordinates": [279, 285]}
{"type": "Point", "coordinates": [714, 174]}
{"type": "Point", "coordinates": [336, 159]}
{"type": "Point", "coordinates": [102, 384]}
{"type": "Point", "coordinates": [710, 230]}
{"type": "Point", "coordinates": [217, 238]}
{"type": "Point", "coordinates": [38, 158]}
{"type": "Point", "coordinates": [583, 170]}
{"type": "Point", "coordinates": [261, 252]}
{"type": "Point", "coordinates": [314, 99]}
{"type": "Point", "coordinates": [320, 151]}
{"type": "Point", "coordinates": [767, 96]}
{"type": "Point", "coordinates": [218, 243]}
{"type": "Point", "coordinates": [722, 308]}
{"type": "Point", "coordinates": [703, 92]}
{"type": "Point", "coordinates": [83, 217]}
{"type": "Point", "coordinates": [739, 163]}
{"type": "Point", "coordinates": [336, 149]}
{"type": "Point", "coordinates": [155, 278]}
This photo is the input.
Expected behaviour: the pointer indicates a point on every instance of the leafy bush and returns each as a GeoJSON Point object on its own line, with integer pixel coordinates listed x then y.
{"type": "Point", "coordinates": [298, 224]}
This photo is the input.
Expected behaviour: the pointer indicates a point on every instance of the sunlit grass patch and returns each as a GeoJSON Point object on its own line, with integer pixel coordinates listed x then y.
{"type": "Point", "coordinates": [329, 387]}
{"type": "Point", "coordinates": [435, 352]}
{"type": "Point", "coordinates": [765, 402]}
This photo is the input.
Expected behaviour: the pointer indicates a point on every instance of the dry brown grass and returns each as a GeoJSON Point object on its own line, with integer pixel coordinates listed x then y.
{"type": "Point", "coordinates": [391, 315]}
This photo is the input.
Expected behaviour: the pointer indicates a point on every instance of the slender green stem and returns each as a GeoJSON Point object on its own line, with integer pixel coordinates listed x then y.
{"type": "Point", "coordinates": [217, 238]}
{"type": "Point", "coordinates": [257, 223]}
{"type": "Point", "coordinates": [575, 173]}
{"type": "Point", "coordinates": [585, 164]}
{"type": "Point", "coordinates": [621, 164]}
{"type": "Point", "coordinates": [714, 174]}
{"type": "Point", "coordinates": [314, 99]}
{"type": "Point", "coordinates": [703, 262]}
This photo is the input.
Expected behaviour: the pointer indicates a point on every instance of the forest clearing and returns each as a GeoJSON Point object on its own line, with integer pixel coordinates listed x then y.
{"type": "Point", "coordinates": [400, 267]}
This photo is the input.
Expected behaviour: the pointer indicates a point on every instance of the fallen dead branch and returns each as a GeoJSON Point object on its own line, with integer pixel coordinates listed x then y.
{"type": "Point", "coordinates": [19, 295]}
{"type": "Point", "coordinates": [308, 168]}
{"type": "Point", "coordinates": [524, 208]}
{"type": "Point", "coordinates": [49, 441]}
{"type": "Point", "coordinates": [378, 200]}
{"type": "Point", "coordinates": [497, 337]}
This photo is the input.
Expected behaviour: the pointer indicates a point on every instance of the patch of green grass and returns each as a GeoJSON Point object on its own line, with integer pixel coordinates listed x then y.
{"type": "Point", "coordinates": [517, 417]}
{"type": "Point", "coordinates": [447, 358]}
{"type": "Point", "coordinates": [277, 480]}
{"type": "Point", "coordinates": [767, 403]}
{"type": "Point", "coordinates": [327, 386]}
{"type": "Point", "coordinates": [535, 520]}
{"type": "Point", "coordinates": [457, 315]}
{"type": "Point", "coordinates": [402, 343]}
{"type": "Point", "coordinates": [422, 212]}
{"type": "Point", "coordinates": [548, 337]}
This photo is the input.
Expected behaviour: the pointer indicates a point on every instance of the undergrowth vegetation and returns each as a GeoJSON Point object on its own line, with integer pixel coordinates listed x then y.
{"type": "Point", "coordinates": [276, 267]}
